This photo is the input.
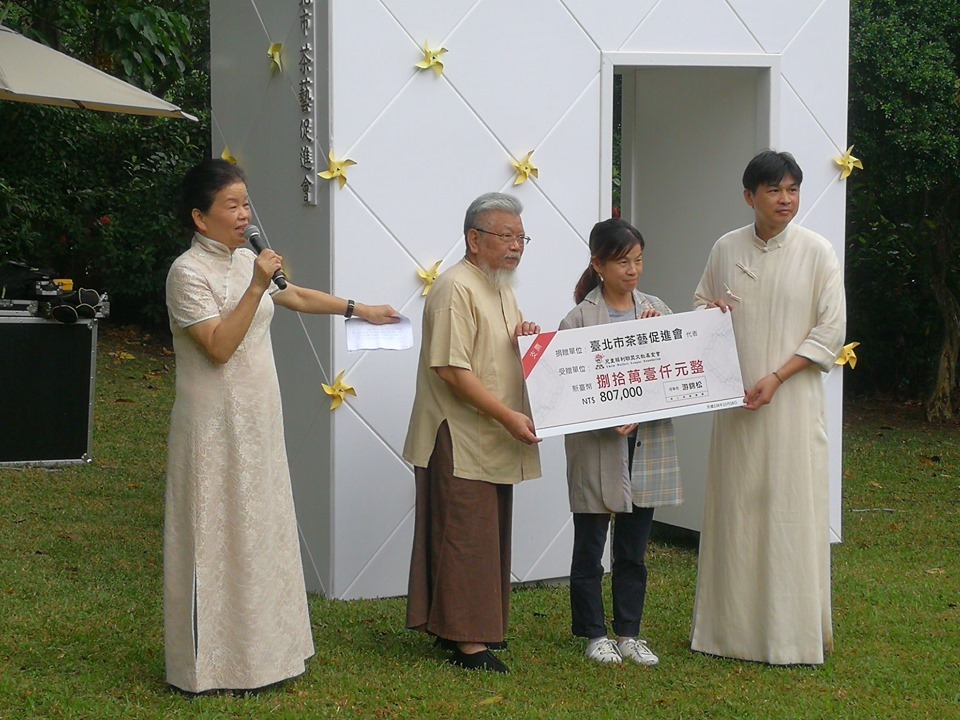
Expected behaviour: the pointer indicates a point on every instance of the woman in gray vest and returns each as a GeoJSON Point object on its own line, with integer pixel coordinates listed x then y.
{"type": "Point", "coordinates": [624, 471]}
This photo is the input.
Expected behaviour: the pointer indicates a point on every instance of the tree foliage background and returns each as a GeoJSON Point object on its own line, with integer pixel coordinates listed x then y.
{"type": "Point", "coordinates": [903, 239]}
{"type": "Point", "coordinates": [91, 195]}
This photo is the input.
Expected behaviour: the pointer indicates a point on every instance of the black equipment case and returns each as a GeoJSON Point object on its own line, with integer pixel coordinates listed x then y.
{"type": "Point", "coordinates": [47, 375]}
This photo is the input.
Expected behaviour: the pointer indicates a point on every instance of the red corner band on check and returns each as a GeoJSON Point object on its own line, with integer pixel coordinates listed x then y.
{"type": "Point", "coordinates": [535, 352]}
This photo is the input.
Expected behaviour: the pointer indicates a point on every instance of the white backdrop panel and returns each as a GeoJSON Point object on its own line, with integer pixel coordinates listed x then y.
{"type": "Point", "coordinates": [385, 574]}
{"type": "Point", "coordinates": [372, 265]}
{"type": "Point", "coordinates": [692, 26]}
{"type": "Point", "coordinates": [825, 214]}
{"type": "Point", "coordinates": [432, 21]}
{"type": "Point", "coordinates": [421, 163]}
{"type": "Point", "coordinates": [542, 543]}
{"type": "Point", "coordinates": [552, 263]}
{"type": "Point", "coordinates": [774, 28]}
{"type": "Point", "coordinates": [377, 497]}
{"type": "Point", "coordinates": [553, 563]}
{"type": "Point", "coordinates": [805, 137]}
{"type": "Point", "coordinates": [570, 171]}
{"type": "Point", "coordinates": [385, 383]}
{"type": "Point", "coordinates": [815, 66]}
{"type": "Point", "coordinates": [372, 66]}
{"type": "Point", "coordinates": [595, 18]}
{"type": "Point", "coordinates": [519, 78]}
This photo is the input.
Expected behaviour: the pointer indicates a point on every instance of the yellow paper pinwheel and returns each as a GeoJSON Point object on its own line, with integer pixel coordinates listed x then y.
{"type": "Point", "coordinates": [848, 356]}
{"type": "Point", "coordinates": [338, 391]}
{"type": "Point", "coordinates": [337, 169]}
{"type": "Point", "coordinates": [225, 155]}
{"type": "Point", "coordinates": [848, 162]}
{"type": "Point", "coordinates": [428, 276]}
{"type": "Point", "coordinates": [431, 59]}
{"type": "Point", "coordinates": [525, 169]}
{"type": "Point", "coordinates": [273, 52]}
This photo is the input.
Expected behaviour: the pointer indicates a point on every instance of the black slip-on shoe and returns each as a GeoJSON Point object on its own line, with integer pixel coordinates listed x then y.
{"type": "Point", "coordinates": [451, 645]}
{"type": "Point", "coordinates": [483, 660]}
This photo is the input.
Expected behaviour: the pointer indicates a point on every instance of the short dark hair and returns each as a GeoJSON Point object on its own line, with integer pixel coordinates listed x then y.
{"type": "Point", "coordinates": [200, 186]}
{"type": "Point", "coordinates": [769, 168]}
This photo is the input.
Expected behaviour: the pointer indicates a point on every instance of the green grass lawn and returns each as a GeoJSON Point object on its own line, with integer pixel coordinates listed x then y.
{"type": "Point", "coordinates": [81, 599]}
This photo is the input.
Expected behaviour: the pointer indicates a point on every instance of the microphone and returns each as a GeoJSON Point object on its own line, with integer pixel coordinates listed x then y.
{"type": "Point", "coordinates": [252, 235]}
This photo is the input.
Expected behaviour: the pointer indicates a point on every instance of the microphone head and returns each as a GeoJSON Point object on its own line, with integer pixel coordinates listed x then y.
{"type": "Point", "coordinates": [252, 235]}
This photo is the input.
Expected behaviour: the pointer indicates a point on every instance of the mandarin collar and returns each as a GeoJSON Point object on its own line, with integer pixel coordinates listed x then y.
{"type": "Point", "coordinates": [478, 272]}
{"type": "Point", "coordinates": [774, 243]}
{"type": "Point", "coordinates": [210, 245]}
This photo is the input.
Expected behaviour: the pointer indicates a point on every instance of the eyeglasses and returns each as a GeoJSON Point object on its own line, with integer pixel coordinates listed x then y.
{"type": "Point", "coordinates": [507, 238]}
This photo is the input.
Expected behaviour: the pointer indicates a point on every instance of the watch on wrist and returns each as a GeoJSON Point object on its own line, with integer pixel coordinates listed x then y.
{"type": "Point", "coordinates": [350, 306]}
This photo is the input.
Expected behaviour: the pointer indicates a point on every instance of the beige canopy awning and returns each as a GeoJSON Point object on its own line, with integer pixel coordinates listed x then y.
{"type": "Point", "coordinates": [34, 73]}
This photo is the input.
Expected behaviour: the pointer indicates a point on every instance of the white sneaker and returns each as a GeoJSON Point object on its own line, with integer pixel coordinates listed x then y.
{"type": "Point", "coordinates": [637, 651]}
{"type": "Point", "coordinates": [603, 650]}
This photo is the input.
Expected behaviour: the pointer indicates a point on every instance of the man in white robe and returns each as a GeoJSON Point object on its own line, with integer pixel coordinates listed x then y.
{"type": "Point", "coordinates": [763, 584]}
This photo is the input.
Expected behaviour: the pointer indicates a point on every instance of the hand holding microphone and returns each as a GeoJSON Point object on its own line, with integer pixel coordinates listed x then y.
{"type": "Point", "coordinates": [252, 236]}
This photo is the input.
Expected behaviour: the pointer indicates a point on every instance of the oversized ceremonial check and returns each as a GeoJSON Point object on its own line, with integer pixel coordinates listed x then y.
{"type": "Point", "coordinates": [620, 373]}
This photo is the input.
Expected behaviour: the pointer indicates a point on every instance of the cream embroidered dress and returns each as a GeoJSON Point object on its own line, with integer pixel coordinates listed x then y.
{"type": "Point", "coordinates": [235, 606]}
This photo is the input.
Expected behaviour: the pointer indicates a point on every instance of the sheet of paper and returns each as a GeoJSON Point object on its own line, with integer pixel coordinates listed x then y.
{"type": "Point", "coordinates": [362, 335]}
{"type": "Point", "coordinates": [620, 373]}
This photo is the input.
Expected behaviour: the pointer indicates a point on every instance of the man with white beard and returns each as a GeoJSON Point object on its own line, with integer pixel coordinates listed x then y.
{"type": "Point", "coordinates": [470, 440]}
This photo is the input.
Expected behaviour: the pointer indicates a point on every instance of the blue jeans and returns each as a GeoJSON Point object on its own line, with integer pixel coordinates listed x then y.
{"type": "Point", "coordinates": [631, 531]}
